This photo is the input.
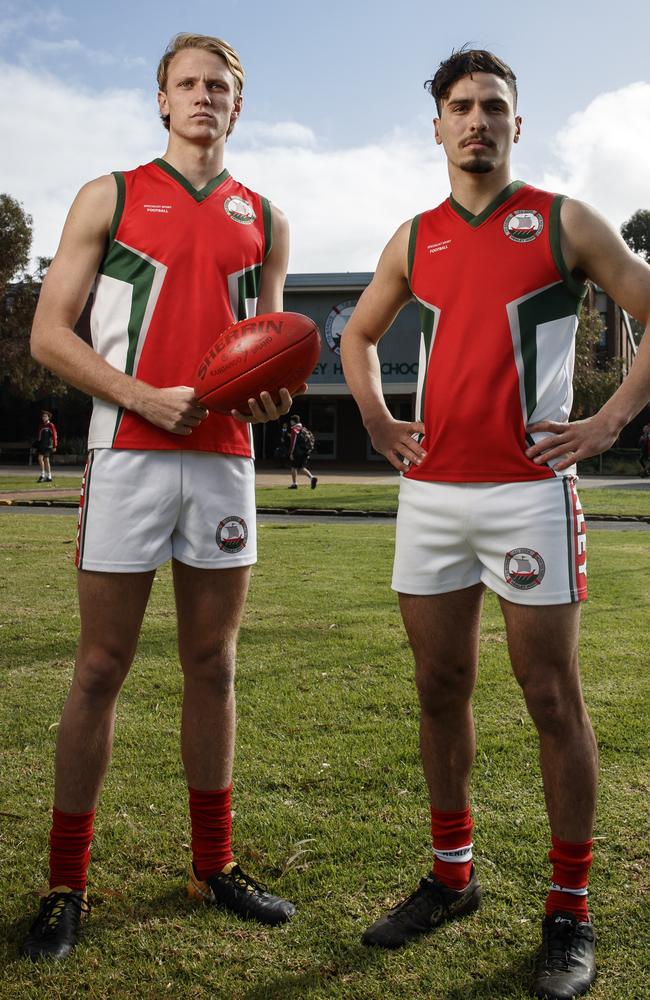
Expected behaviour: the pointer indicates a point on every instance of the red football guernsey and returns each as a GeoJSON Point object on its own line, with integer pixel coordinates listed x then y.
{"type": "Point", "coordinates": [181, 265]}
{"type": "Point", "coordinates": [499, 311]}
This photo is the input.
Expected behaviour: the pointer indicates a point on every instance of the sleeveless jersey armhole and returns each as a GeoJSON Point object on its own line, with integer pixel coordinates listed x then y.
{"type": "Point", "coordinates": [413, 236]}
{"type": "Point", "coordinates": [268, 231]}
{"type": "Point", "coordinates": [578, 288]}
{"type": "Point", "coordinates": [119, 204]}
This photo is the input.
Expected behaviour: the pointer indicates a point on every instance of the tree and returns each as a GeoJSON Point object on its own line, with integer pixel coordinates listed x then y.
{"type": "Point", "coordinates": [15, 240]}
{"type": "Point", "coordinates": [18, 297]}
{"type": "Point", "coordinates": [593, 383]}
{"type": "Point", "coordinates": [636, 233]}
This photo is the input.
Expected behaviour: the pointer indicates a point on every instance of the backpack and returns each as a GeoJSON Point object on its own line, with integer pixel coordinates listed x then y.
{"type": "Point", "coordinates": [305, 443]}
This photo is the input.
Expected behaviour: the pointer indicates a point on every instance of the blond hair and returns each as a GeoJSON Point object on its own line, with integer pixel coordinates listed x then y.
{"type": "Point", "coordinates": [208, 43]}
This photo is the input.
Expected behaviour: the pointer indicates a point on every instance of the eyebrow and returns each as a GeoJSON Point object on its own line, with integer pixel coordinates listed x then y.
{"type": "Point", "coordinates": [466, 101]}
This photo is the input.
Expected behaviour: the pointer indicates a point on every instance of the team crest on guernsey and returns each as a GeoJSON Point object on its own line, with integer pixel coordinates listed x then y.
{"type": "Point", "coordinates": [523, 569]}
{"type": "Point", "coordinates": [239, 209]}
{"type": "Point", "coordinates": [232, 534]}
{"type": "Point", "coordinates": [523, 226]}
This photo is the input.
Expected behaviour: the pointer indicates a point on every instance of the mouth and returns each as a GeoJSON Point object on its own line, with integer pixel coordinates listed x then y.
{"type": "Point", "coordinates": [203, 116]}
{"type": "Point", "coordinates": [477, 144]}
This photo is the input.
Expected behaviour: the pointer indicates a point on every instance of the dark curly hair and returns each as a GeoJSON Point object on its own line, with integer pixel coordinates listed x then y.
{"type": "Point", "coordinates": [464, 62]}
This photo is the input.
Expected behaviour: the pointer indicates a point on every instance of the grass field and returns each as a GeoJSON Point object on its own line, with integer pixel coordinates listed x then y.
{"type": "Point", "coordinates": [371, 497]}
{"type": "Point", "coordinates": [329, 800]}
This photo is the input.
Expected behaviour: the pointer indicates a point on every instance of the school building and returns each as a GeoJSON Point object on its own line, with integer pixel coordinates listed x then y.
{"type": "Point", "coordinates": [328, 408]}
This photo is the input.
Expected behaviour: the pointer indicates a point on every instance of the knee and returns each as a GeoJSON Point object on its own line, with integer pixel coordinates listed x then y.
{"type": "Point", "coordinates": [100, 674]}
{"type": "Point", "coordinates": [551, 708]}
{"type": "Point", "coordinates": [212, 665]}
{"type": "Point", "coordinates": [442, 688]}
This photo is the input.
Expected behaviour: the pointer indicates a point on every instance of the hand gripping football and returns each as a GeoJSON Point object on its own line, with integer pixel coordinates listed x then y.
{"type": "Point", "coordinates": [268, 352]}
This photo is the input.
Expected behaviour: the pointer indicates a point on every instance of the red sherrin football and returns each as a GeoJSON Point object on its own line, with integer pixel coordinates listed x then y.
{"type": "Point", "coordinates": [268, 352]}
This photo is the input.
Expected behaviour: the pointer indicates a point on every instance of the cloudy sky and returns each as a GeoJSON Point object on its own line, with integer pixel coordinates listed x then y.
{"type": "Point", "coordinates": [336, 127]}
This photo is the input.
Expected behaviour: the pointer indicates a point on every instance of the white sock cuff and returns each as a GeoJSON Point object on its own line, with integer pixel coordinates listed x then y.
{"type": "Point", "coordinates": [459, 856]}
{"type": "Point", "coordinates": [573, 892]}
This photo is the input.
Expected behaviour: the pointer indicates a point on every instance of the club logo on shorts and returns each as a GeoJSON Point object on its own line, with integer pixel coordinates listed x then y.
{"type": "Point", "coordinates": [239, 210]}
{"type": "Point", "coordinates": [232, 534]}
{"type": "Point", "coordinates": [523, 226]}
{"type": "Point", "coordinates": [523, 569]}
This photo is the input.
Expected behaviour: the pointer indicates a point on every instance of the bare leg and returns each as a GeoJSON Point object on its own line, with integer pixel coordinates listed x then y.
{"type": "Point", "coordinates": [543, 644]}
{"type": "Point", "coordinates": [209, 605]}
{"type": "Point", "coordinates": [111, 606]}
{"type": "Point", "coordinates": [47, 466]}
{"type": "Point", "coordinates": [444, 631]}
{"type": "Point", "coordinates": [41, 463]}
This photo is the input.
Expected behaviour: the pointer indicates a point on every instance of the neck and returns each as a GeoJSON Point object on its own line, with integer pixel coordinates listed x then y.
{"type": "Point", "coordinates": [197, 163]}
{"type": "Point", "coordinates": [475, 191]}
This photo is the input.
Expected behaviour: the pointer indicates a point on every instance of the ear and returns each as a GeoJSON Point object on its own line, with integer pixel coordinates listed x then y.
{"type": "Point", "coordinates": [436, 131]}
{"type": "Point", "coordinates": [237, 106]}
{"type": "Point", "coordinates": [518, 121]}
{"type": "Point", "coordinates": [163, 106]}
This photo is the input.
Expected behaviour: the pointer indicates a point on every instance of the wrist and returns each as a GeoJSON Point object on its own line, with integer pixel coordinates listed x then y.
{"type": "Point", "coordinates": [375, 419]}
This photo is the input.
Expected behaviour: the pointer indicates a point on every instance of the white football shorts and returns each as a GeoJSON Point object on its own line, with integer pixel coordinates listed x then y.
{"type": "Point", "coordinates": [525, 541]}
{"type": "Point", "coordinates": [138, 509]}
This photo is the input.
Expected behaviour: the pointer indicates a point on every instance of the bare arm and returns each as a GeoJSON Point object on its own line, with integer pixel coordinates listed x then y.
{"type": "Point", "coordinates": [270, 299]}
{"type": "Point", "coordinates": [63, 296]}
{"type": "Point", "coordinates": [591, 246]}
{"type": "Point", "coordinates": [386, 294]}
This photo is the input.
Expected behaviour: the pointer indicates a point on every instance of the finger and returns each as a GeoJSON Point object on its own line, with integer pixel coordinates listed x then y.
{"type": "Point", "coordinates": [396, 461]}
{"type": "Point", "coordinates": [269, 409]}
{"type": "Point", "coordinates": [546, 444]}
{"type": "Point", "coordinates": [243, 418]}
{"type": "Point", "coordinates": [284, 404]}
{"type": "Point", "coordinates": [562, 453]}
{"type": "Point", "coordinates": [411, 451]}
{"type": "Point", "coordinates": [548, 426]}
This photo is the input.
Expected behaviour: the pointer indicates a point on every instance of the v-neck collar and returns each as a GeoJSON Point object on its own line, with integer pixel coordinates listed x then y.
{"type": "Point", "coordinates": [475, 220]}
{"type": "Point", "coordinates": [198, 195]}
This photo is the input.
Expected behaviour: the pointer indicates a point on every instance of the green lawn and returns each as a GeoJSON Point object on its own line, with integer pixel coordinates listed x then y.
{"type": "Point", "coordinates": [329, 799]}
{"type": "Point", "coordinates": [384, 498]}
{"type": "Point", "coordinates": [357, 497]}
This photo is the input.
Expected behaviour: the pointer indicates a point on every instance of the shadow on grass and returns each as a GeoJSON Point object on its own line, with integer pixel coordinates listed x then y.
{"type": "Point", "coordinates": [502, 985]}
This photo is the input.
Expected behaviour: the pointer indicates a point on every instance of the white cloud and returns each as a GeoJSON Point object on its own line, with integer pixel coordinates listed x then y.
{"type": "Point", "coordinates": [257, 134]}
{"type": "Point", "coordinates": [604, 152]}
{"type": "Point", "coordinates": [58, 137]}
{"type": "Point", "coordinates": [343, 204]}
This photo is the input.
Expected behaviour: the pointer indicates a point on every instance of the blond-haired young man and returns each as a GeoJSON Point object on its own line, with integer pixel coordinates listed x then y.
{"type": "Point", "coordinates": [174, 251]}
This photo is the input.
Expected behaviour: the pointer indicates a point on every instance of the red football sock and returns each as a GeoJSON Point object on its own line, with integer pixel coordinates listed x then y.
{"type": "Point", "coordinates": [70, 839]}
{"type": "Point", "coordinates": [571, 863]}
{"type": "Point", "coordinates": [452, 845]}
{"type": "Point", "coordinates": [211, 819]}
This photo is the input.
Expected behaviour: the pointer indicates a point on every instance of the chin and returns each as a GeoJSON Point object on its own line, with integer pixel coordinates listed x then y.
{"type": "Point", "coordinates": [478, 166]}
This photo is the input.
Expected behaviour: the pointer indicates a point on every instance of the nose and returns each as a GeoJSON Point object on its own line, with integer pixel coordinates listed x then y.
{"type": "Point", "coordinates": [478, 119]}
{"type": "Point", "coordinates": [202, 94]}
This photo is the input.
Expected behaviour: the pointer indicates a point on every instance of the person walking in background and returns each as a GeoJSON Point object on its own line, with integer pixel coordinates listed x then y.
{"type": "Point", "coordinates": [301, 446]}
{"type": "Point", "coordinates": [46, 446]}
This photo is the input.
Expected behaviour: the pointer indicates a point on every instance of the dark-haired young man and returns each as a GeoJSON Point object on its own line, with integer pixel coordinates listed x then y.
{"type": "Point", "coordinates": [176, 251]}
{"type": "Point", "coordinates": [498, 270]}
